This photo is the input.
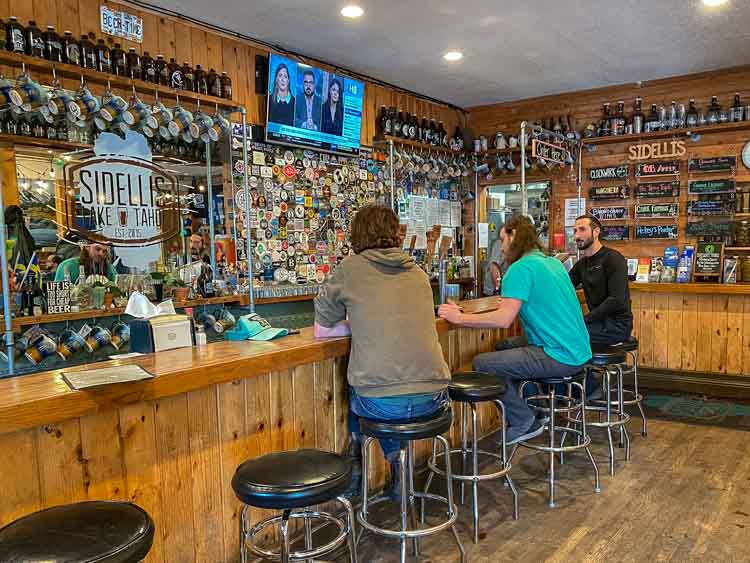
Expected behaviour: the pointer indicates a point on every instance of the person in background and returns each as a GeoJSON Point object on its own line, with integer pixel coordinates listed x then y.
{"type": "Point", "coordinates": [53, 261]}
{"type": "Point", "coordinates": [333, 110]}
{"type": "Point", "coordinates": [196, 247]}
{"type": "Point", "coordinates": [602, 272]}
{"type": "Point", "coordinates": [94, 258]}
{"type": "Point", "coordinates": [281, 104]}
{"type": "Point", "coordinates": [307, 110]}
{"type": "Point", "coordinates": [69, 246]}
{"type": "Point", "coordinates": [396, 367]}
{"type": "Point", "coordinates": [536, 288]}
{"type": "Point", "coordinates": [494, 269]}
{"type": "Point", "coordinates": [25, 245]}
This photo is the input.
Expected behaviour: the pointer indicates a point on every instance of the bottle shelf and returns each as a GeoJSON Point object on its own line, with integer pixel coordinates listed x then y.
{"type": "Point", "coordinates": [418, 145]}
{"type": "Point", "coordinates": [117, 82]}
{"type": "Point", "coordinates": [673, 133]}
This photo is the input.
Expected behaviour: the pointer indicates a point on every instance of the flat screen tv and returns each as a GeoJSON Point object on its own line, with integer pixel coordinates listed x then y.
{"type": "Point", "coordinates": [309, 107]}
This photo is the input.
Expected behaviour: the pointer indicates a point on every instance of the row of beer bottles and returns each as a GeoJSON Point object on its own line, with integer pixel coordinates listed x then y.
{"type": "Point", "coordinates": [394, 123]}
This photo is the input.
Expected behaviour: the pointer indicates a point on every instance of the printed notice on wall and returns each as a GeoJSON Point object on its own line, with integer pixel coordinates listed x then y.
{"type": "Point", "coordinates": [433, 212]}
{"type": "Point", "coordinates": [455, 214]}
{"type": "Point", "coordinates": [418, 209]}
{"type": "Point", "coordinates": [483, 230]}
{"type": "Point", "coordinates": [574, 207]}
{"type": "Point", "coordinates": [445, 213]}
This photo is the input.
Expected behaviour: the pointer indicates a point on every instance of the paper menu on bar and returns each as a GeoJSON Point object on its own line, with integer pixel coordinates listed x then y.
{"type": "Point", "coordinates": [433, 213]}
{"type": "Point", "coordinates": [455, 213]}
{"type": "Point", "coordinates": [445, 213]}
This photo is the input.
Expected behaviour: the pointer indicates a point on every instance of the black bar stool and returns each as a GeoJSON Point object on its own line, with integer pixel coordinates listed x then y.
{"type": "Point", "coordinates": [630, 347]}
{"type": "Point", "coordinates": [291, 482]}
{"type": "Point", "coordinates": [470, 388]}
{"type": "Point", "coordinates": [551, 405]}
{"type": "Point", "coordinates": [608, 361]}
{"type": "Point", "coordinates": [97, 531]}
{"type": "Point", "coordinates": [407, 432]}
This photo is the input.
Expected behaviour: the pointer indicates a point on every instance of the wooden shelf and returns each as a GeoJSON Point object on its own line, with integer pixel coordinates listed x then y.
{"type": "Point", "coordinates": [20, 322]}
{"type": "Point", "coordinates": [508, 150]}
{"type": "Point", "coordinates": [674, 133]}
{"type": "Point", "coordinates": [287, 299]}
{"type": "Point", "coordinates": [418, 145]}
{"type": "Point", "coordinates": [41, 142]}
{"type": "Point", "coordinates": [738, 248]}
{"type": "Point", "coordinates": [693, 288]}
{"type": "Point", "coordinates": [117, 82]}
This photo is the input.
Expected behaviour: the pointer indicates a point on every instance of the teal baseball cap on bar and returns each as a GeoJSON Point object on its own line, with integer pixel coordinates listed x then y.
{"type": "Point", "coordinates": [254, 327]}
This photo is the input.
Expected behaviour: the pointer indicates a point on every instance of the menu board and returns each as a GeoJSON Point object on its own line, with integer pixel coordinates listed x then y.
{"type": "Point", "coordinates": [708, 258]}
{"type": "Point", "coordinates": [706, 229]}
{"type": "Point", "coordinates": [711, 207]}
{"type": "Point", "coordinates": [615, 232]}
{"type": "Point", "coordinates": [609, 192]}
{"type": "Point", "coordinates": [656, 210]}
{"type": "Point", "coordinates": [712, 186]}
{"type": "Point", "coordinates": [656, 231]}
{"type": "Point", "coordinates": [658, 189]}
{"type": "Point", "coordinates": [714, 164]}
{"type": "Point", "coordinates": [610, 213]}
{"type": "Point", "coordinates": [666, 168]}
{"type": "Point", "coordinates": [609, 172]}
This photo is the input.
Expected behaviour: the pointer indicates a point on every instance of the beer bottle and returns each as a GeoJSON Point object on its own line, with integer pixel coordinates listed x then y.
{"type": "Point", "coordinates": [557, 128]}
{"type": "Point", "coordinates": [187, 77]}
{"type": "Point", "coordinates": [443, 135]}
{"type": "Point", "coordinates": [162, 72]}
{"type": "Point", "coordinates": [691, 119]}
{"type": "Point", "coordinates": [199, 78]}
{"type": "Point", "coordinates": [226, 86]}
{"type": "Point", "coordinates": [418, 136]}
{"type": "Point", "coordinates": [175, 75]}
{"type": "Point", "coordinates": [397, 124]}
{"type": "Point", "coordinates": [16, 36]}
{"type": "Point", "coordinates": [674, 121]}
{"type": "Point", "coordinates": [214, 84]}
{"type": "Point", "coordinates": [88, 53]}
{"type": "Point", "coordinates": [737, 110]}
{"type": "Point", "coordinates": [133, 64]}
{"type": "Point", "coordinates": [148, 68]}
{"type": "Point", "coordinates": [71, 50]}
{"type": "Point", "coordinates": [459, 139]}
{"type": "Point", "coordinates": [102, 57]}
{"type": "Point", "coordinates": [618, 127]}
{"type": "Point", "coordinates": [34, 41]}
{"type": "Point", "coordinates": [653, 123]}
{"type": "Point", "coordinates": [3, 35]}
{"type": "Point", "coordinates": [713, 111]}
{"type": "Point", "coordinates": [434, 136]}
{"type": "Point", "coordinates": [383, 123]}
{"type": "Point", "coordinates": [638, 117]}
{"type": "Point", "coordinates": [605, 127]}
{"type": "Point", "coordinates": [119, 62]}
{"type": "Point", "coordinates": [52, 46]}
{"type": "Point", "coordinates": [425, 131]}
{"type": "Point", "coordinates": [413, 127]}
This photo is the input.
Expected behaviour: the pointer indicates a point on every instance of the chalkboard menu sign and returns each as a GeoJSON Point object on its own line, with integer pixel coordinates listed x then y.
{"type": "Point", "coordinates": [666, 168]}
{"type": "Point", "coordinates": [609, 192]}
{"type": "Point", "coordinates": [708, 257]}
{"type": "Point", "coordinates": [715, 164]}
{"type": "Point", "coordinates": [610, 213]}
{"type": "Point", "coordinates": [658, 189]}
{"type": "Point", "coordinates": [58, 296]}
{"type": "Point", "coordinates": [712, 186]}
{"type": "Point", "coordinates": [615, 232]}
{"type": "Point", "coordinates": [706, 229]}
{"type": "Point", "coordinates": [609, 173]}
{"type": "Point", "coordinates": [656, 210]}
{"type": "Point", "coordinates": [655, 231]}
{"type": "Point", "coordinates": [711, 207]}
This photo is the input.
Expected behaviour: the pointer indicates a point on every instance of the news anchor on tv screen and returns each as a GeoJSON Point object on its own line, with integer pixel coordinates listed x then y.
{"type": "Point", "coordinates": [333, 108]}
{"type": "Point", "coordinates": [308, 107]}
{"type": "Point", "coordinates": [281, 104]}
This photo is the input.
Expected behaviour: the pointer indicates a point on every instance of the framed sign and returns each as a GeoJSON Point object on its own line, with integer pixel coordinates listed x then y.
{"type": "Point", "coordinates": [712, 186]}
{"type": "Point", "coordinates": [610, 213]}
{"type": "Point", "coordinates": [656, 231]}
{"type": "Point", "coordinates": [58, 296]}
{"type": "Point", "coordinates": [609, 192]}
{"type": "Point", "coordinates": [619, 172]}
{"type": "Point", "coordinates": [656, 210]}
{"type": "Point", "coordinates": [121, 24]}
{"type": "Point", "coordinates": [615, 232]}
{"type": "Point", "coordinates": [708, 258]}
{"type": "Point", "coordinates": [708, 229]}
{"type": "Point", "coordinates": [548, 151]}
{"type": "Point", "coordinates": [711, 207]}
{"type": "Point", "coordinates": [714, 164]}
{"type": "Point", "coordinates": [667, 168]}
{"type": "Point", "coordinates": [658, 189]}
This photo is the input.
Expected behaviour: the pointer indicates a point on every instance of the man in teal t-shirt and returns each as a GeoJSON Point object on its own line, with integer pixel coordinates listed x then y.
{"type": "Point", "coordinates": [95, 260]}
{"type": "Point", "coordinates": [537, 289]}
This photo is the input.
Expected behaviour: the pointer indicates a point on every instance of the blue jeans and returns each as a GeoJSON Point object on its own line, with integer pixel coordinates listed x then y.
{"type": "Point", "coordinates": [526, 363]}
{"type": "Point", "coordinates": [400, 407]}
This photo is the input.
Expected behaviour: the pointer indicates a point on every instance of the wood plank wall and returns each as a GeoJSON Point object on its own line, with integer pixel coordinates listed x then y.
{"type": "Point", "coordinates": [175, 457]}
{"type": "Point", "coordinates": [183, 40]}
{"type": "Point", "coordinates": [585, 106]}
{"type": "Point", "coordinates": [692, 333]}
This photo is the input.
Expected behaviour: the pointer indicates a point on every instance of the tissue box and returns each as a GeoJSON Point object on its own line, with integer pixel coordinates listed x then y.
{"type": "Point", "coordinates": [165, 332]}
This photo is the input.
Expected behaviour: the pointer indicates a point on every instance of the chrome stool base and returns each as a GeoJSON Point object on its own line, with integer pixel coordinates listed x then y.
{"type": "Point", "coordinates": [345, 533]}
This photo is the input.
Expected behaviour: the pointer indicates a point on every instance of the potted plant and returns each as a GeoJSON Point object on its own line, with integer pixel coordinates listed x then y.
{"type": "Point", "coordinates": [112, 292]}
{"type": "Point", "coordinates": [179, 288]}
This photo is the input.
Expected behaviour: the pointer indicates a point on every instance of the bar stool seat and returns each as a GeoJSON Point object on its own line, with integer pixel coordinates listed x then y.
{"type": "Point", "coordinates": [476, 387]}
{"type": "Point", "coordinates": [630, 345]}
{"type": "Point", "coordinates": [413, 429]}
{"type": "Point", "coordinates": [292, 479]}
{"type": "Point", "coordinates": [290, 482]}
{"type": "Point", "coordinates": [605, 355]}
{"type": "Point", "coordinates": [84, 532]}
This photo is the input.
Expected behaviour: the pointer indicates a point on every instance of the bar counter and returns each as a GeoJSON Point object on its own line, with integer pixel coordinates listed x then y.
{"type": "Point", "coordinates": [172, 443]}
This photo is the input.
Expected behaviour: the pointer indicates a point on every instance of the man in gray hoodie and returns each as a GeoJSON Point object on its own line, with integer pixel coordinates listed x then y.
{"type": "Point", "coordinates": [384, 301]}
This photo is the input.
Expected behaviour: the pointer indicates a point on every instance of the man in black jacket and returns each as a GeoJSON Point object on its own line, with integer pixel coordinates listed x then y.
{"type": "Point", "coordinates": [603, 274]}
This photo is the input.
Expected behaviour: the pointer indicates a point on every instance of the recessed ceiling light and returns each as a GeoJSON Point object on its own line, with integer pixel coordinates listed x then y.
{"type": "Point", "coordinates": [453, 56]}
{"type": "Point", "coordinates": [713, 3]}
{"type": "Point", "coordinates": [352, 11]}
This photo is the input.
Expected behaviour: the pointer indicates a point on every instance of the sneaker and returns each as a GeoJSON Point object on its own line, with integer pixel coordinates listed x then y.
{"type": "Point", "coordinates": [532, 431]}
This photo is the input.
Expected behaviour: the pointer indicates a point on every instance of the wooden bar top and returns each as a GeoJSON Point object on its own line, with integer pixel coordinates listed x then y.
{"type": "Point", "coordinates": [693, 288]}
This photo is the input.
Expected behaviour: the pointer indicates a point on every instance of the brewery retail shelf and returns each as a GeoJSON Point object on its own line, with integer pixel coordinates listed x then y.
{"type": "Point", "coordinates": [118, 82]}
{"type": "Point", "coordinates": [418, 145]}
{"type": "Point", "coordinates": [19, 322]}
{"type": "Point", "coordinates": [671, 134]}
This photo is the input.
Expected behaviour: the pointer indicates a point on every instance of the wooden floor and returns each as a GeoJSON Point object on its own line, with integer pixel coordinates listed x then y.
{"type": "Point", "coordinates": [684, 496]}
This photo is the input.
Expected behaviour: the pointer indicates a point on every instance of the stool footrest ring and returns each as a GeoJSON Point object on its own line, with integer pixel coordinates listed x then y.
{"type": "Point", "coordinates": [362, 519]}
{"type": "Point", "coordinates": [469, 477]}
{"type": "Point", "coordinates": [557, 449]}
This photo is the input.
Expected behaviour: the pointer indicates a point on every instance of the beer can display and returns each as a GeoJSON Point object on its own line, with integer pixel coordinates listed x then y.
{"type": "Point", "coordinates": [98, 338]}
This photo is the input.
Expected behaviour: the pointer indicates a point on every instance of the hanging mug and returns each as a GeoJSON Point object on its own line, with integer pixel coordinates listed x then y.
{"type": "Point", "coordinates": [164, 117]}
{"type": "Point", "coordinates": [59, 102]}
{"type": "Point", "coordinates": [201, 126]}
{"type": "Point", "coordinates": [41, 349]}
{"type": "Point", "coordinates": [222, 126]}
{"type": "Point", "coordinates": [32, 94]}
{"type": "Point", "coordinates": [142, 115]}
{"type": "Point", "coordinates": [225, 321]}
{"type": "Point", "coordinates": [70, 343]}
{"type": "Point", "coordinates": [9, 90]}
{"type": "Point", "coordinates": [207, 319]}
{"type": "Point", "coordinates": [120, 335]}
{"type": "Point", "coordinates": [98, 338]}
{"type": "Point", "coordinates": [85, 105]}
{"type": "Point", "coordinates": [181, 122]}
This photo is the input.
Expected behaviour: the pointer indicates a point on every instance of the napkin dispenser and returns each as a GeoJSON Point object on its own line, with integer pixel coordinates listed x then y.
{"type": "Point", "coordinates": [165, 332]}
